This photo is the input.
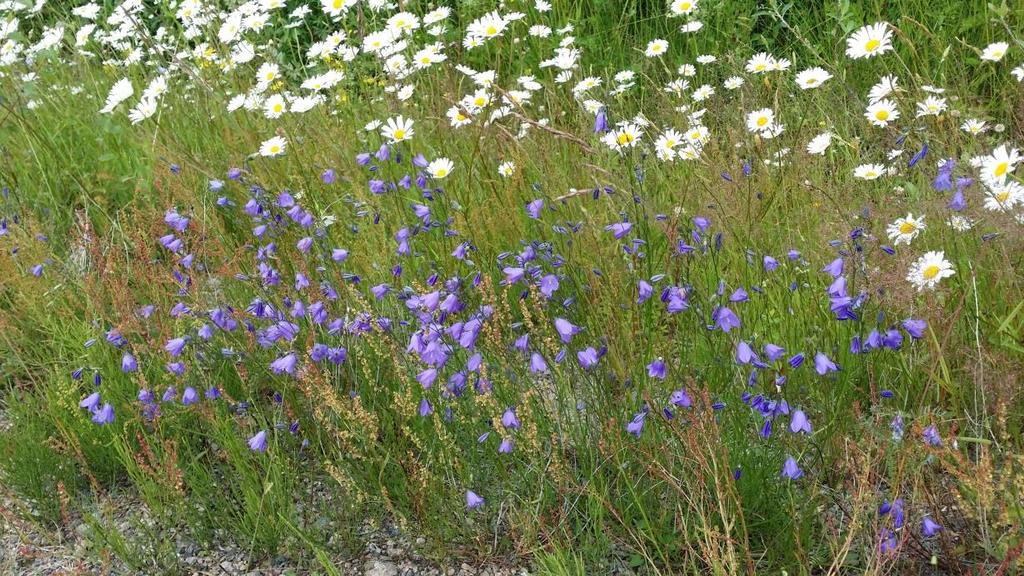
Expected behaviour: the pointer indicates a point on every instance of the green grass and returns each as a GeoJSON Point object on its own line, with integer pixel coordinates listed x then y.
{"type": "Point", "coordinates": [578, 494]}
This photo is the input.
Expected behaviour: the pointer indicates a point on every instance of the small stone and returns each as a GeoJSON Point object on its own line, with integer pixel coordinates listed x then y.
{"type": "Point", "coordinates": [379, 568]}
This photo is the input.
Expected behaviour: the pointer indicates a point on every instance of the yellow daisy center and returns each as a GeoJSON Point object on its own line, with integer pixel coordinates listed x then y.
{"type": "Point", "coordinates": [907, 227]}
{"type": "Point", "coordinates": [882, 115]}
{"type": "Point", "coordinates": [491, 30]}
{"type": "Point", "coordinates": [1001, 168]}
{"type": "Point", "coordinates": [399, 134]}
{"type": "Point", "coordinates": [762, 121]}
{"type": "Point", "coordinates": [1003, 196]}
{"type": "Point", "coordinates": [872, 45]}
{"type": "Point", "coordinates": [931, 272]}
{"type": "Point", "coordinates": [624, 138]}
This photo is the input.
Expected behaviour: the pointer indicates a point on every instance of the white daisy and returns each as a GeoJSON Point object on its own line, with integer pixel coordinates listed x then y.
{"type": "Point", "coordinates": [398, 129]}
{"type": "Point", "coordinates": [761, 120]}
{"type": "Point", "coordinates": [440, 168]}
{"type": "Point", "coordinates": [274, 106]}
{"type": "Point", "coordinates": [871, 40]}
{"type": "Point", "coordinates": [682, 7]}
{"type": "Point", "coordinates": [929, 269]}
{"type": "Point", "coordinates": [974, 126]}
{"type": "Point", "coordinates": [656, 48]}
{"type": "Point", "coordinates": [905, 229]}
{"type": "Point", "coordinates": [997, 166]}
{"type": "Point", "coordinates": [932, 106]}
{"type": "Point", "coordinates": [995, 51]}
{"type": "Point", "coordinates": [733, 82]}
{"type": "Point", "coordinates": [882, 112]}
{"type": "Point", "coordinates": [1003, 197]}
{"type": "Point", "coordinates": [119, 92]}
{"type": "Point", "coordinates": [760, 63]}
{"type": "Point", "coordinates": [869, 171]}
{"type": "Point", "coordinates": [273, 147]}
{"type": "Point", "coordinates": [506, 169]}
{"type": "Point", "coordinates": [626, 136]}
{"type": "Point", "coordinates": [819, 144]}
{"type": "Point", "coordinates": [812, 78]}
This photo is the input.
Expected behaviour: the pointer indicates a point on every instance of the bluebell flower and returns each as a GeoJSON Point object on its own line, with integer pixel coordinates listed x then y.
{"type": "Point", "coordinates": [744, 353]}
{"type": "Point", "coordinates": [887, 541]}
{"type": "Point", "coordinates": [619, 229]}
{"type": "Point", "coordinates": [835, 268]}
{"type": "Point", "coordinates": [958, 203]}
{"type": "Point", "coordinates": [533, 208]}
{"type": "Point", "coordinates": [566, 330]}
{"type": "Point", "coordinates": [174, 346]}
{"type": "Point", "coordinates": [537, 363]}
{"type": "Point", "coordinates": [929, 527]}
{"type": "Point", "coordinates": [823, 364]}
{"type": "Point", "coordinates": [128, 363]}
{"type": "Point", "coordinates": [656, 369]}
{"type": "Point", "coordinates": [285, 364]}
{"type": "Point", "coordinates": [725, 319]}
{"type": "Point", "coordinates": [90, 402]}
{"type": "Point", "coordinates": [791, 469]}
{"type": "Point", "coordinates": [914, 328]}
{"type": "Point", "coordinates": [258, 443]}
{"type": "Point", "coordinates": [587, 357]}
{"type": "Point", "coordinates": [897, 427]}
{"type": "Point", "coordinates": [104, 415]}
{"type": "Point", "coordinates": [600, 122]}
{"type": "Point", "coordinates": [799, 422]}
{"type": "Point", "coordinates": [510, 420]}
{"type": "Point", "coordinates": [943, 179]}
{"type": "Point", "coordinates": [636, 425]}
{"type": "Point", "coordinates": [898, 516]}
{"type": "Point", "coordinates": [473, 500]}
{"type": "Point", "coordinates": [931, 436]}
{"type": "Point", "coordinates": [680, 398]}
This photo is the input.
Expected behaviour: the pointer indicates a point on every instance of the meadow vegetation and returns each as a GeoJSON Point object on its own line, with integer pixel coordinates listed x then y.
{"type": "Point", "coordinates": [695, 287]}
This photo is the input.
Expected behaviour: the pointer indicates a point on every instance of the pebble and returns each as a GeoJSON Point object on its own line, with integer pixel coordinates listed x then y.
{"type": "Point", "coordinates": [379, 568]}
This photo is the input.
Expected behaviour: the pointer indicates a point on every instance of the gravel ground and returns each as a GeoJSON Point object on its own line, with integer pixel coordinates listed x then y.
{"type": "Point", "coordinates": [27, 551]}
